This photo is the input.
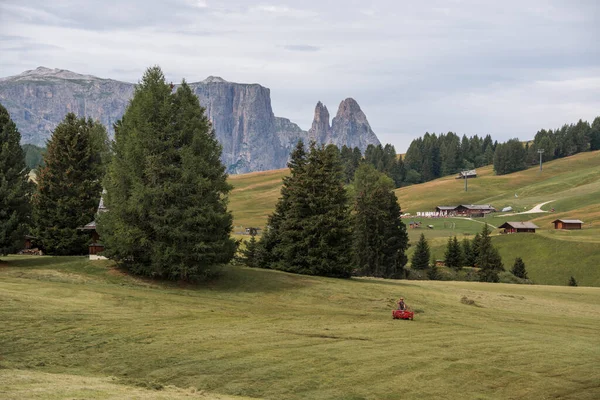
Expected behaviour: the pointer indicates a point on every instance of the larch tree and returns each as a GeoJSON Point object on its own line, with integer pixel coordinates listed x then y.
{"type": "Point", "coordinates": [69, 185]}
{"type": "Point", "coordinates": [166, 187]}
{"type": "Point", "coordinates": [380, 237]}
{"type": "Point", "coordinates": [15, 189]}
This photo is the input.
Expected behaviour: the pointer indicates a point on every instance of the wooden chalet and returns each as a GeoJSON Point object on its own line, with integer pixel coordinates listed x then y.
{"type": "Point", "coordinates": [519, 227]}
{"type": "Point", "coordinates": [446, 210]}
{"type": "Point", "coordinates": [474, 210]}
{"type": "Point", "coordinates": [567, 224]}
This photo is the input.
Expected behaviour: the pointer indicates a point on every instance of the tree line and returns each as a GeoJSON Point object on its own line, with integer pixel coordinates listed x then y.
{"type": "Point", "coordinates": [433, 156]}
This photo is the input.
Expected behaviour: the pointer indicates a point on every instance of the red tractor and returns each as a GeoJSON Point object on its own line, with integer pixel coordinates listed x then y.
{"type": "Point", "coordinates": [402, 314]}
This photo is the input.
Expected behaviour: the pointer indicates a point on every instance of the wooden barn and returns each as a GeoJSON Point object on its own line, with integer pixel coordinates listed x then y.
{"type": "Point", "coordinates": [474, 210]}
{"type": "Point", "coordinates": [519, 227]}
{"type": "Point", "coordinates": [467, 174]}
{"type": "Point", "coordinates": [567, 224]}
{"type": "Point", "coordinates": [446, 210]}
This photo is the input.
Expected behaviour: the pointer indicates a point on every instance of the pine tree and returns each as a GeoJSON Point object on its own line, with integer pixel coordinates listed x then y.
{"type": "Point", "coordinates": [166, 187]}
{"type": "Point", "coordinates": [69, 185]}
{"type": "Point", "coordinates": [249, 253]}
{"type": "Point", "coordinates": [420, 258]}
{"type": "Point", "coordinates": [454, 255]}
{"type": "Point", "coordinates": [488, 258]}
{"type": "Point", "coordinates": [380, 237]}
{"type": "Point", "coordinates": [572, 281]}
{"type": "Point", "coordinates": [467, 251]}
{"type": "Point", "coordinates": [15, 189]}
{"type": "Point", "coordinates": [268, 251]}
{"type": "Point", "coordinates": [518, 269]}
{"type": "Point", "coordinates": [475, 249]}
{"type": "Point", "coordinates": [310, 231]}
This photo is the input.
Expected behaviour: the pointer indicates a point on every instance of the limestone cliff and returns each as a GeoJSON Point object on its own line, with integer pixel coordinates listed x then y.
{"type": "Point", "coordinates": [253, 139]}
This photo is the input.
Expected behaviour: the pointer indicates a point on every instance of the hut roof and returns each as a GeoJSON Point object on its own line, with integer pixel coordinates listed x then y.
{"type": "Point", "coordinates": [568, 221]}
{"type": "Point", "coordinates": [519, 225]}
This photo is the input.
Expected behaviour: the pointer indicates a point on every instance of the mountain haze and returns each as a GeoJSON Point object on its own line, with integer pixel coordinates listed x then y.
{"type": "Point", "coordinates": [253, 138]}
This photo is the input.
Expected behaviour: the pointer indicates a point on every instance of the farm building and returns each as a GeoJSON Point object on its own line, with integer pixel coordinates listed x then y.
{"type": "Point", "coordinates": [567, 224]}
{"type": "Point", "coordinates": [469, 210]}
{"type": "Point", "coordinates": [518, 227]}
{"type": "Point", "coordinates": [467, 174]}
{"type": "Point", "coordinates": [446, 210]}
{"type": "Point", "coordinates": [473, 210]}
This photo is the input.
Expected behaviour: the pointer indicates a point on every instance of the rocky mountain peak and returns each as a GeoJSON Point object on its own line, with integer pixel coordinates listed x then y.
{"type": "Point", "coordinates": [349, 107]}
{"type": "Point", "coordinates": [44, 73]}
{"type": "Point", "coordinates": [214, 79]}
{"type": "Point", "coordinates": [320, 126]}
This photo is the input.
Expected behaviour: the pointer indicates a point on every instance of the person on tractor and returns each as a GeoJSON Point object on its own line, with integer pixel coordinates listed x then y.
{"type": "Point", "coordinates": [402, 304]}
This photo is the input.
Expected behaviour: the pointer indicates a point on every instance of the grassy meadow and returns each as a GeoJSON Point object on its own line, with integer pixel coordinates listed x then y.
{"type": "Point", "coordinates": [72, 328]}
{"type": "Point", "coordinates": [551, 256]}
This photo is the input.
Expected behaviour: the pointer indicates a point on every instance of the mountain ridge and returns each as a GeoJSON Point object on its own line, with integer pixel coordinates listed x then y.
{"type": "Point", "coordinates": [253, 138]}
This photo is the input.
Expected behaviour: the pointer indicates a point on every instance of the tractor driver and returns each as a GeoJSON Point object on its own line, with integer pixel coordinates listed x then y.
{"type": "Point", "coordinates": [402, 304]}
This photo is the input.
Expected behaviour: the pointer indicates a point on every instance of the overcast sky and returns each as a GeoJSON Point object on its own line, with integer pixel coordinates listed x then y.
{"type": "Point", "coordinates": [507, 68]}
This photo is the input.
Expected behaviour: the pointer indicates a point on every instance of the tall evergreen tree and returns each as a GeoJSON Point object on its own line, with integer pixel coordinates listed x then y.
{"type": "Point", "coordinates": [468, 254]}
{"type": "Point", "coordinates": [249, 253]}
{"type": "Point", "coordinates": [166, 187]}
{"type": "Point", "coordinates": [380, 237]}
{"type": "Point", "coordinates": [69, 185]}
{"type": "Point", "coordinates": [572, 281]}
{"type": "Point", "coordinates": [454, 255]}
{"type": "Point", "coordinates": [15, 189]}
{"type": "Point", "coordinates": [488, 258]}
{"type": "Point", "coordinates": [518, 269]}
{"type": "Point", "coordinates": [420, 258]}
{"type": "Point", "coordinates": [268, 251]}
{"type": "Point", "coordinates": [312, 233]}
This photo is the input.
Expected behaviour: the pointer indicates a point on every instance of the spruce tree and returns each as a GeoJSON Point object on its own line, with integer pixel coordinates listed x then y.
{"type": "Point", "coordinates": [475, 243]}
{"type": "Point", "coordinates": [249, 253]}
{"type": "Point", "coordinates": [15, 189]}
{"type": "Point", "coordinates": [380, 237]}
{"type": "Point", "coordinates": [454, 256]}
{"type": "Point", "coordinates": [69, 185]}
{"type": "Point", "coordinates": [518, 269]}
{"type": "Point", "coordinates": [572, 281]}
{"type": "Point", "coordinates": [268, 252]}
{"type": "Point", "coordinates": [166, 187]}
{"type": "Point", "coordinates": [488, 258]}
{"type": "Point", "coordinates": [420, 258]}
{"type": "Point", "coordinates": [310, 231]}
{"type": "Point", "coordinates": [467, 251]}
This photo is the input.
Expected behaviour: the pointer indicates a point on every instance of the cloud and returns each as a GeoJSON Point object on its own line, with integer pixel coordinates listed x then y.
{"type": "Point", "coordinates": [505, 68]}
{"type": "Point", "coordinates": [301, 47]}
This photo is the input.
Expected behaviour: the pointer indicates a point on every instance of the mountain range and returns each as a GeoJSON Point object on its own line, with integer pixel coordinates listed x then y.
{"type": "Point", "coordinates": [253, 138]}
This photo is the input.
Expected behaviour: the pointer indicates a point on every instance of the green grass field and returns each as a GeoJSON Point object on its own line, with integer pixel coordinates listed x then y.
{"type": "Point", "coordinates": [551, 256]}
{"type": "Point", "coordinates": [74, 329]}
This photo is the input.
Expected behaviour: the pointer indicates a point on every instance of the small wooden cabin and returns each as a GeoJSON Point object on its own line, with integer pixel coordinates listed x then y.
{"type": "Point", "coordinates": [567, 224]}
{"type": "Point", "coordinates": [519, 227]}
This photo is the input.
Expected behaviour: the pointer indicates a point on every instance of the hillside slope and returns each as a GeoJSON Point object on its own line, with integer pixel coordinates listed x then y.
{"type": "Point", "coordinates": [551, 257]}
{"type": "Point", "coordinates": [273, 335]}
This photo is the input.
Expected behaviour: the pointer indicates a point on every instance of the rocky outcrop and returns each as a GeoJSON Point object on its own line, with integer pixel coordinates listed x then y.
{"type": "Point", "coordinates": [38, 100]}
{"type": "Point", "coordinates": [349, 127]}
{"type": "Point", "coordinates": [253, 139]}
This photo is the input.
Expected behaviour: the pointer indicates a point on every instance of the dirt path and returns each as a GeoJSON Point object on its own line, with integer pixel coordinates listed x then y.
{"type": "Point", "coordinates": [474, 220]}
{"type": "Point", "coordinates": [535, 209]}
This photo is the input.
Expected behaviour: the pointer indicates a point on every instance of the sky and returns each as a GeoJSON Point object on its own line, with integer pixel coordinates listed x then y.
{"type": "Point", "coordinates": [504, 68]}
